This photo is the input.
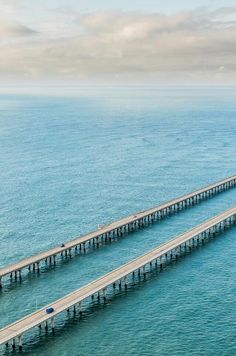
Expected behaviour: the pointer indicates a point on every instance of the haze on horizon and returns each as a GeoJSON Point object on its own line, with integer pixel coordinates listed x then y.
{"type": "Point", "coordinates": [71, 41]}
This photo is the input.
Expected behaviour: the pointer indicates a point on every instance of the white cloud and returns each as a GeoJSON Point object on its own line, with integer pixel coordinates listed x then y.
{"type": "Point", "coordinates": [190, 45]}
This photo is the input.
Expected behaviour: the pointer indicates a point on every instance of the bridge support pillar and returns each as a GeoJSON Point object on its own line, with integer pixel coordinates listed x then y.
{"type": "Point", "coordinates": [80, 308]}
{"type": "Point", "coordinates": [52, 323]}
{"type": "Point", "coordinates": [20, 342]}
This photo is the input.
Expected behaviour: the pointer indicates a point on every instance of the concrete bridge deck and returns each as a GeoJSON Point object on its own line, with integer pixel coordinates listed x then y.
{"type": "Point", "coordinates": [118, 228]}
{"type": "Point", "coordinates": [156, 256]}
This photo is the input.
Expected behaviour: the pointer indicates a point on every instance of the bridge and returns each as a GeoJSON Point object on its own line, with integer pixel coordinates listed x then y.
{"type": "Point", "coordinates": [156, 257]}
{"type": "Point", "coordinates": [116, 229]}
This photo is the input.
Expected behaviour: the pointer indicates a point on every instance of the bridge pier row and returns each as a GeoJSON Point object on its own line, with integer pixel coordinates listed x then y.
{"type": "Point", "coordinates": [141, 222]}
{"type": "Point", "coordinates": [13, 343]}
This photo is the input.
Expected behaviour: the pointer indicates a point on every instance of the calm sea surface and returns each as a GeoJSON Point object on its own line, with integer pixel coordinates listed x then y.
{"type": "Point", "coordinates": [69, 163]}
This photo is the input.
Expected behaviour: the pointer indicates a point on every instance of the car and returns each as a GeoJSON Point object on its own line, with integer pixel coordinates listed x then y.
{"type": "Point", "coordinates": [49, 310]}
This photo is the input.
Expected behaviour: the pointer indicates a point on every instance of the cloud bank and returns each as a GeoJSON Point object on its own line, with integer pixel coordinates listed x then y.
{"type": "Point", "coordinates": [188, 46]}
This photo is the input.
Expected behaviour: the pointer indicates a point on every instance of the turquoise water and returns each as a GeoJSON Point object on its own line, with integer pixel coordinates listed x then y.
{"type": "Point", "coordinates": [70, 162]}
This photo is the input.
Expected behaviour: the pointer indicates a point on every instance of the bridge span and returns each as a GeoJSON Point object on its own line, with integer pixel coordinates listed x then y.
{"type": "Point", "coordinates": [120, 276]}
{"type": "Point", "coordinates": [116, 229]}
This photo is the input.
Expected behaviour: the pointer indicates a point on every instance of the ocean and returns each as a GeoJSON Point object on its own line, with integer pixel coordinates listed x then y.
{"type": "Point", "coordinates": [72, 161]}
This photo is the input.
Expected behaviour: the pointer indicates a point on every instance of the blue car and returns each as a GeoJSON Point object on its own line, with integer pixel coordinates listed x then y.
{"type": "Point", "coordinates": [49, 310]}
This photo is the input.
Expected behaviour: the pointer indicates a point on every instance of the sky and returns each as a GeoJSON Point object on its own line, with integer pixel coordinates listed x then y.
{"type": "Point", "coordinates": [157, 41]}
